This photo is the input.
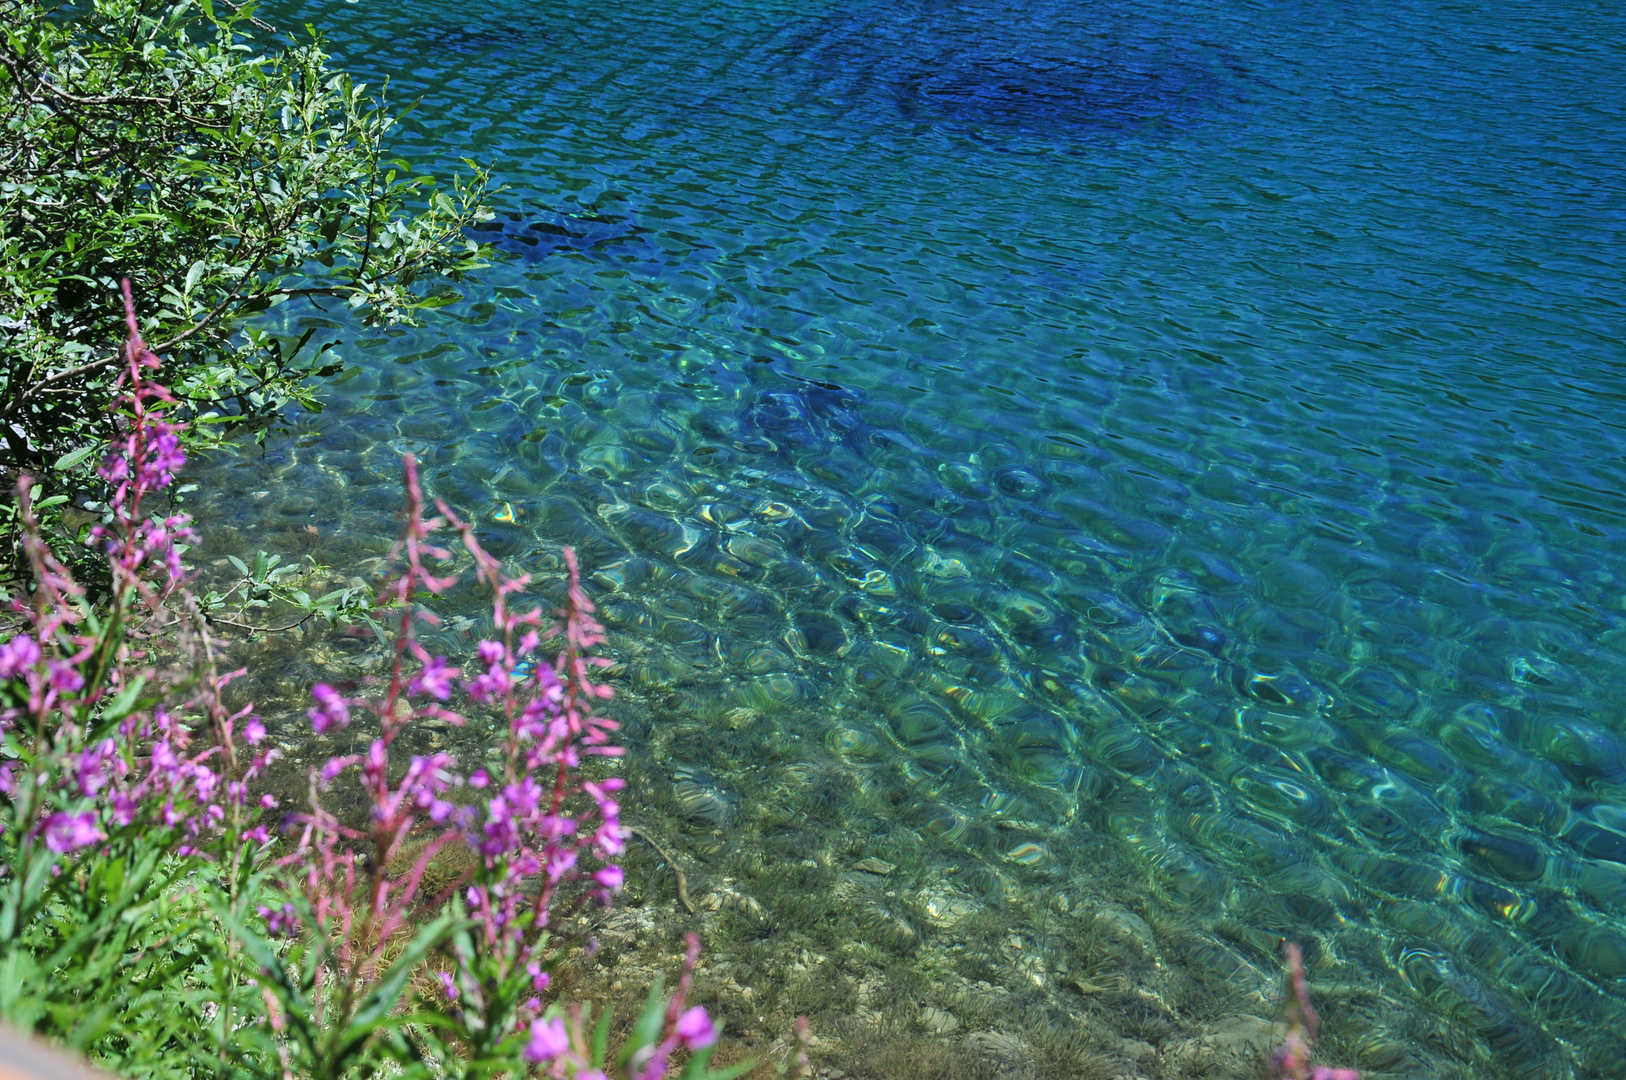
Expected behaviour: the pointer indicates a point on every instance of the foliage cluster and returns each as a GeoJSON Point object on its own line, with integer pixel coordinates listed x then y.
{"type": "Point", "coordinates": [158, 915]}
{"type": "Point", "coordinates": [172, 142]}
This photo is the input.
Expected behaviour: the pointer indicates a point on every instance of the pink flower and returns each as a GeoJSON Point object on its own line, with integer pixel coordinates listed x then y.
{"type": "Point", "coordinates": [435, 678]}
{"type": "Point", "coordinates": [548, 1041]}
{"type": "Point", "coordinates": [694, 1029]}
{"type": "Point", "coordinates": [611, 877]}
{"type": "Point", "coordinates": [560, 863]}
{"type": "Point", "coordinates": [609, 838]}
{"type": "Point", "coordinates": [448, 986]}
{"type": "Point", "coordinates": [65, 677]}
{"type": "Point", "coordinates": [336, 765]}
{"type": "Point", "coordinates": [92, 770]}
{"type": "Point", "coordinates": [331, 709]}
{"type": "Point", "coordinates": [376, 763]}
{"type": "Point", "coordinates": [123, 808]}
{"type": "Point", "coordinates": [18, 655]}
{"type": "Point", "coordinates": [254, 731]}
{"type": "Point", "coordinates": [280, 922]}
{"type": "Point", "coordinates": [69, 832]}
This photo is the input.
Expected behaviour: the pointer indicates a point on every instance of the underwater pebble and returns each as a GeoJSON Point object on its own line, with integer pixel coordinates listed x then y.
{"type": "Point", "coordinates": [873, 865]}
{"type": "Point", "coordinates": [1126, 930]}
{"type": "Point", "coordinates": [945, 909]}
{"type": "Point", "coordinates": [1005, 1051]}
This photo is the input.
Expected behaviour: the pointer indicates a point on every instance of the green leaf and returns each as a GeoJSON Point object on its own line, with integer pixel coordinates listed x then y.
{"type": "Point", "coordinates": [74, 458]}
{"type": "Point", "coordinates": [124, 701]}
{"type": "Point", "coordinates": [601, 1039]}
{"type": "Point", "coordinates": [242, 567]}
{"type": "Point", "coordinates": [648, 1027]}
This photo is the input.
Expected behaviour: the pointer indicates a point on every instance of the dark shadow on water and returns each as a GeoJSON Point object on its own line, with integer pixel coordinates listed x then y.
{"type": "Point", "coordinates": [535, 237]}
{"type": "Point", "coordinates": [1024, 74]}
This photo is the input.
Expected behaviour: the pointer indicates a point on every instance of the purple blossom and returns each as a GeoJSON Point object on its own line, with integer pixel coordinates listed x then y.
{"type": "Point", "coordinates": [694, 1029]}
{"type": "Point", "coordinates": [65, 677]}
{"type": "Point", "coordinates": [165, 763]}
{"type": "Point", "coordinates": [376, 764]}
{"type": "Point", "coordinates": [560, 862]}
{"type": "Point", "coordinates": [549, 1040]}
{"type": "Point", "coordinates": [254, 731]}
{"type": "Point", "coordinates": [525, 796]}
{"type": "Point", "coordinates": [280, 922]}
{"type": "Point", "coordinates": [334, 766]}
{"type": "Point", "coordinates": [611, 877]}
{"type": "Point", "coordinates": [448, 986]}
{"type": "Point", "coordinates": [66, 832]}
{"type": "Point", "coordinates": [124, 808]}
{"type": "Point", "coordinates": [331, 711]}
{"type": "Point", "coordinates": [435, 679]}
{"type": "Point", "coordinates": [18, 655]}
{"type": "Point", "coordinates": [488, 686]}
{"type": "Point", "coordinates": [609, 837]}
{"type": "Point", "coordinates": [92, 771]}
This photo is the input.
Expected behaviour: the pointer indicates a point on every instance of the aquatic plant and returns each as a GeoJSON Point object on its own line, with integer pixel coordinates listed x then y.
{"type": "Point", "coordinates": [1292, 1061]}
{"type": "Point", "coordinates": [151, 915]}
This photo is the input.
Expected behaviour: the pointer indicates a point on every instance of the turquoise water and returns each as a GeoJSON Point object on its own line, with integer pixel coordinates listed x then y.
{"type": "Point", "coordinates": [1153, 467]}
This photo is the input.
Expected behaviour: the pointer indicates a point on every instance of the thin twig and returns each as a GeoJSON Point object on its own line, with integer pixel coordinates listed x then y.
{"type": "Point", "coordinates": [214, 621]}
{"type": "Point", "coordinates": [682, 882]}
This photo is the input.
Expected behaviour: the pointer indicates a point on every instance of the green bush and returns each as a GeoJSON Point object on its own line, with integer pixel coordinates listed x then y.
{"type": "Point", "coordinates": [174, 144]}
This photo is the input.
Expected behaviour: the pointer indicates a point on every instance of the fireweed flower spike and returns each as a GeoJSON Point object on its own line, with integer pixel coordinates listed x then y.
{"type": "Point", "coordinates": [105, 749]}
{"type": "Point", "coordinates": [1292, 1061]}
{"type": "Point", "coordinates": [60, 668]}
{"type": "Point", "coordinates": [539, 831]}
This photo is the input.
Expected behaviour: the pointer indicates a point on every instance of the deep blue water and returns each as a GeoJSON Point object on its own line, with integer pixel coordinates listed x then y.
{"type": "Point", "coordinates": [1163, 454]}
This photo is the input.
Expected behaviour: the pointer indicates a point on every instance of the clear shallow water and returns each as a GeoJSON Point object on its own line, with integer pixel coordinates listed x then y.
{"type": "Point", "coordinates": [1094, 457]}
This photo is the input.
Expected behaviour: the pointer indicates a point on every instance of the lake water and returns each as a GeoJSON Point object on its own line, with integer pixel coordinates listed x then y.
{"type": "Point", "coordinates": [1151, 474]}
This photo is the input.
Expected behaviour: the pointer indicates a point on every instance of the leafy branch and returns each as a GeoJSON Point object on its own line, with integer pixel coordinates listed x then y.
{"type": "Point", "coordinates": [271, 585]}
